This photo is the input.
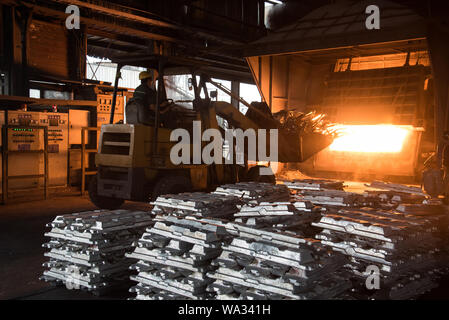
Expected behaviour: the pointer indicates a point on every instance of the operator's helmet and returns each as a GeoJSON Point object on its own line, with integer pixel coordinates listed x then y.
{"type": "Point", "coordinates": [148, 75]}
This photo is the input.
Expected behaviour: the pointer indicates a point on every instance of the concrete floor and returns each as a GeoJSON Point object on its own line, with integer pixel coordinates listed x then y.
{"type": "Point", "coordinates": [22, 228]}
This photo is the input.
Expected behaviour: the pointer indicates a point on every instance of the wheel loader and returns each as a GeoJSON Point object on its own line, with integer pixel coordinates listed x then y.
{"type": "Point", "coordinates": [134, 162]}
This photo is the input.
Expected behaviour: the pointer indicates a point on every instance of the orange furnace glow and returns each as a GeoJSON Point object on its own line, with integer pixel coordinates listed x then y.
{"type": "Point", "coordinates": [383, 138]}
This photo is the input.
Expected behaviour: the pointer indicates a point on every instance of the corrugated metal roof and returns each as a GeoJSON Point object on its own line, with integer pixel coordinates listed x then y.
{"type": "Point", "coordinates": [106, 72]}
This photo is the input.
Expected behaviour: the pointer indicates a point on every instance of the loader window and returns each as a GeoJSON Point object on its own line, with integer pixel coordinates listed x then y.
{"type": "Point", "coordinates": [249, 93]}
{"type": "Point", "coordinates": [221, 96]}
{"type": "Point", "coordinates": [177, 89]}
{"type": "Point", "coordinates": [116, 143]}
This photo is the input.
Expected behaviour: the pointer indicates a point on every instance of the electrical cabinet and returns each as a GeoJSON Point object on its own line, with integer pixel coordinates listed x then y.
{"type": "Point", "coordinates": [24, 139]}
{"type": "Point", "coordinates": [77, 120]}
{"type": "Point", "coordinates": [58, 144]}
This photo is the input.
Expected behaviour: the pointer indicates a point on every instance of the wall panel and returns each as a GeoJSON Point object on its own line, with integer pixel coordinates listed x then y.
{"type": "Point", "coordinates": [48, 42]}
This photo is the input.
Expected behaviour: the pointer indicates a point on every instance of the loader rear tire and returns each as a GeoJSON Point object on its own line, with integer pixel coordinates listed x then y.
{"type": "Point", "coordinates": [254, 175]}
{"type": "Point", "coordinates": [100, 201]}
{"type": "Point", "coordinates": [171, 184]}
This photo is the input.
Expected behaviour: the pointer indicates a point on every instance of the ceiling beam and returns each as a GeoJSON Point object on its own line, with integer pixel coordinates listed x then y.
{"type": "Point", "coordinates": [149, 21]}
{"type": "Point", "coordinates": [112, 46]}
{"type": "Point", "coordinates": [119, 13]}
{"type": "Point", "coordinates": [97, 24]}
{"type": "Point", "coordinates": [113, 36]}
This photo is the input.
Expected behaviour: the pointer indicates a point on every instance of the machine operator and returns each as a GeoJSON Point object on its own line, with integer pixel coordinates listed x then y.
{"type": "Point", "coordinates": [141, 107]}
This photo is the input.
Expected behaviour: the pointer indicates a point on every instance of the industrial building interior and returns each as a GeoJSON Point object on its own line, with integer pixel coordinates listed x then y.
{"type": "Point", "coordinates": [355, 205]}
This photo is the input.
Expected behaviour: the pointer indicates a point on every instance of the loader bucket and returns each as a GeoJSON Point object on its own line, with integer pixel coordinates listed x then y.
{"type": "Point", "coordinates": [313, 143]}
{"type": "Point", "coordinates": [301, 148]}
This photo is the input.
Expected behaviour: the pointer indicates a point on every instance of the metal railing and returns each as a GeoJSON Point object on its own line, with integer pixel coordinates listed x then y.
{"type": "Point", "coordinates": [85, 151]}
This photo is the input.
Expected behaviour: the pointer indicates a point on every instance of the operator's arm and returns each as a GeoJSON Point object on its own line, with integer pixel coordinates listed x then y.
{"type": "Point", "coordinates": [141, 93]}
{"type": "Point", "coordinates": [145, 98]}
{"type": "Point", "coordinates": [148, 97]}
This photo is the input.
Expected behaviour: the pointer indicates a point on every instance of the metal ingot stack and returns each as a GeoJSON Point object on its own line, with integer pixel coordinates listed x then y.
{"type": "Point", "coordinates": [293, 215]}
{"type": "Point", "coordinates": [268, 206]}
{"type": "Point", "coordinates": [391, 199]}
{"type": "Point", "coordinates": [412, 202]}
{"type": "Point", "coordinates": [390, 195]}
{"type": "Point", "coordinates": [174, 257]}
{"type": "Point", "coordinates": [328, 193]}
{"type": "Point", "coordinates": [333, 198]}
{"type": "Point", "coordinates": [399, 188]}
{"type": "Point", "coordinates": [87, 250]}
{"type": "Point", "coordinates": [402, 246]}
{"type": "Point", "coordinates": [259, 264]}
{"type": "Point", "coordinates": [198, 204]}
{"type": "Point", "coordinates": [435, 214]}
{"type": "Point", "coordinates": [254, 192]}
{"type": "Point", "coordinates": [314, 184]}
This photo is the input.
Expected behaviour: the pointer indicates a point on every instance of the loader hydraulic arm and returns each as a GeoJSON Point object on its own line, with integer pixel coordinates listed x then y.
{"type": "Point", "coordinates": [291, 148]}
{"type": "Point", "coordinates": [231, 114]}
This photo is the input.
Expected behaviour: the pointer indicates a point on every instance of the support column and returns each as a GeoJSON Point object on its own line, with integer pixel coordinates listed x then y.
{"type": "Point", "coordinates": [439, 51]}
{"type": "Point", "coordinates": [20, 20]}
{"type": "Point", "coordinates": [235, 90]}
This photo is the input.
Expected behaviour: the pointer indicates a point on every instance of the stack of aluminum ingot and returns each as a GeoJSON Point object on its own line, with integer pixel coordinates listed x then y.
{"type": "Point", "coordinates": [174, 256]}
{"type": "Point", "coordinates": [325, 193]}
{"type": "Point", "coordinates": [390, 199]}
{"type": "Point", "coordinates": [268, 206]}
{"type": "Point", "coordinates": [314, 184]}
{"type": "Point", "coordinates": [402, 246]}
{"type": "Point", "coordinates": [254, 192]}
{"type": "Point", "coordinates": [259, 264]}
{"type": "Point", "coordinates": [292, 215]}
{"type": "Point", "coordinates": [87, 250]}
{"type": "Point", "coordinates": [390, 195]}
{"type": "Point", "coordinates": [198, 204]}
{"type": "Point", "coordinates": [328, 198]}
{"type": "Point", "coordinates": [394, 187]}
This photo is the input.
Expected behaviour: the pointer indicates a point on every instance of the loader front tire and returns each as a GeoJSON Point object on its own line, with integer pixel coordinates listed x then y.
{"type": "Point", "coordinates": [254, 175]}
{"type": "Point", "coordinates": [101, 201]}
{"type": "Point", "coordinates": [171, 184]}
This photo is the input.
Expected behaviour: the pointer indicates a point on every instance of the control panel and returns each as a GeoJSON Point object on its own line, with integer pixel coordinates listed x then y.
{"type": "Point", "coordinates": [58, 144]}
{"type": "Point", "coordinates": [104, 107]}
{"type": "Point", "coordinates": [105, 118]}
{"type": "Point", "coordinates": [104, 103]}
{"type": "Point", "coordinates": [57, 131]}
{"type": "Point", "coordinates": [24, 139]}
{"type": "Point", "coordinates": [23, 118]}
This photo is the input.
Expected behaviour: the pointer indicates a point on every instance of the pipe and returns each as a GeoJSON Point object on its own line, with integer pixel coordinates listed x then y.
{"type": "Point", "coordinates": [227, 91]}
{"type": "Point", "coordinates": [156, 111]}
{"type": "Point", "coordinates": [114, 94]}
